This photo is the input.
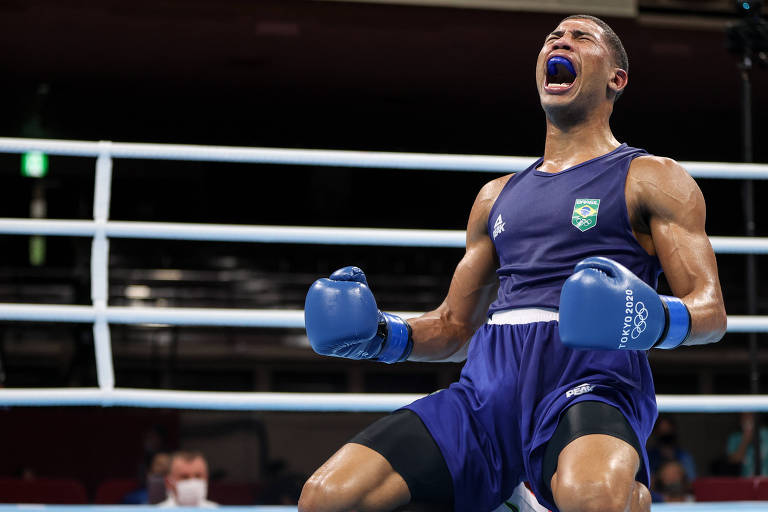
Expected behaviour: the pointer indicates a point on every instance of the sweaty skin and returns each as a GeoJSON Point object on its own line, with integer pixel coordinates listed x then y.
{"type": "Point", "coordinates": [667, 214]}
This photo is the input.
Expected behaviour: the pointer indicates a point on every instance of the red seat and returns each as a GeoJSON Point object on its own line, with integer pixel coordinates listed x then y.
{"type": "Point", "coordinates": [113, 490]}
{"type": "Point", "coordinates": [725, 488]}
{"type": "Point", "coordinates": [761, 492]}
{"type": "Point", "coordinates": [42, 490]}
{"type": "Point", "coordinates": [225, 493]}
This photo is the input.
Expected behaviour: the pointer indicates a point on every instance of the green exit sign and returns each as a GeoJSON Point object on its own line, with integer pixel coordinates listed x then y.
{"type": "Point", "coordinates": [34, 164]}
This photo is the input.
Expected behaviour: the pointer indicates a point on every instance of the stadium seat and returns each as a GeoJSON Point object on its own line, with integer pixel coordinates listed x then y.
{"type": "Point", "coordinates": [725, 488]}
{"type": "Point", "coordinates": [113, 490]}
{"type": "Point", "coordinates": [66, 491]}
{"type": "Point", "coordinates": [761, 489]}
{"type": "Point", "coordinates": [225, 493]}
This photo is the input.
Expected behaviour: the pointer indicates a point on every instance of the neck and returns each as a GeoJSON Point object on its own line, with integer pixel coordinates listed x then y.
{"type": "Point", "coordinates": [570, 145]}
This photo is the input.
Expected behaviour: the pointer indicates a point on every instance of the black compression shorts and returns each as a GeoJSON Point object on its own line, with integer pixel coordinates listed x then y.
{"type": "Point", "coordinates": [408, 446]}
{"type": "Point", "coordinates": [581, 419]}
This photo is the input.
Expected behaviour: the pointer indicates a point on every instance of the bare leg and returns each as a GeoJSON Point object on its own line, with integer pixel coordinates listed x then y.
{"type": "Point", "coordinates": [595, 473]}
{"type": "Point", "coordinates": [354, 479]}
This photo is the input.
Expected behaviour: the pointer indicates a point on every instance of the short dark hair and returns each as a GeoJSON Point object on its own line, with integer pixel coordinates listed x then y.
{"type": "Point", "coordinates": [614, 43]}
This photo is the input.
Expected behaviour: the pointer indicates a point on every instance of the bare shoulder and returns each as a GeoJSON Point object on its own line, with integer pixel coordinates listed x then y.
{"type": "Point", "coordinates": [653, 167]}
{"type": "Point", "coordinates": [491, 190]}
{"type": "Point", "coordinates": [478, 217]}
{"type": "Point", "coordinates": [662, 186]}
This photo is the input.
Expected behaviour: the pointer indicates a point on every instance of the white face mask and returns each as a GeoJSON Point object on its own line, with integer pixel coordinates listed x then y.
{"type": "Point", "coordinates": [191, 492]}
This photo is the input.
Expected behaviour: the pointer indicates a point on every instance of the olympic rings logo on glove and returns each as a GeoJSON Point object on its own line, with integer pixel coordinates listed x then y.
{"type": "Point", "coordinates": [641, 314]}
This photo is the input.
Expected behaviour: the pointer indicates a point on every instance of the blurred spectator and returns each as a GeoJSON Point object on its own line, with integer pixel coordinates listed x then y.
{"type": "Point", "coordinates": [187, 481]}
{"type": "Point", "coordinates": [153, 491]}
{"type": "Point", "coordinates": [667, 449]}
{"type": "Point", "coordinates": [158, 470]}
{"type": "Point", "coordinates": [26, 473]}
{"type": "Point", "coordinates": [671, 482]}
{"type": "Point", "coordinates": [739, 446]}
{"type": "Point", "coordinates": [282, 487]}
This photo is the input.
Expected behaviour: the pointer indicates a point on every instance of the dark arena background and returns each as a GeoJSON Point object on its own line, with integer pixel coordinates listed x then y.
{"type": "Point", "coordinates": [429, 76]}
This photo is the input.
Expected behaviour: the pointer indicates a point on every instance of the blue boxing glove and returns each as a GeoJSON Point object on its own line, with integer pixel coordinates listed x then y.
{"type": "Point", "coordinates": [603, 305]}
{"type": "Point", "coordinates": [342, 320]}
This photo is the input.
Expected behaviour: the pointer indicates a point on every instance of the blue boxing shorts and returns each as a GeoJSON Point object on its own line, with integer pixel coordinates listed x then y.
{"type": "Point", "coordinates": [493, 425]}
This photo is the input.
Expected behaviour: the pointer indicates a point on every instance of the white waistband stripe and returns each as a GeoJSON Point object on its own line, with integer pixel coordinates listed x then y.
{"type": "Point", "coordinates": [524, 316]}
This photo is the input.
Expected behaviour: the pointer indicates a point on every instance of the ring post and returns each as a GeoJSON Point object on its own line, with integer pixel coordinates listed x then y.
{"type": "Point", "coordinates": [100, 267]}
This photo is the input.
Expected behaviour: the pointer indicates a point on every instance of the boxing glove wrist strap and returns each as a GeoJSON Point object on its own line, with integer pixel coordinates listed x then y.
{"type": "Point", "coordinates": [398, 342]}
{"type": "Point", "coordinates": [678, 324]}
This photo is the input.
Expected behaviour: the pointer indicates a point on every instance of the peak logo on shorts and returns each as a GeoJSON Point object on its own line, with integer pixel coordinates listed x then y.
{"type": "Point", "coordinates": [579, 390]}
{"type": "Point", "coordinates": [584, 215]}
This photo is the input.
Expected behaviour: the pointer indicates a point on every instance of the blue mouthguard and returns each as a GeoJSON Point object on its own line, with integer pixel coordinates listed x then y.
{"type": "Point", "coordinates": [554, 61]}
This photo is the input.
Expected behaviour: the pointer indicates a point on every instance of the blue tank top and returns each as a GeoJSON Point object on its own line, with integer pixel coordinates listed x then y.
{"type": "Point", "coordinates": [542, 224]}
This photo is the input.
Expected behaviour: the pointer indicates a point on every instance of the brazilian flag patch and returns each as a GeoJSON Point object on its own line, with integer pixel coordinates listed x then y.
{"type": "Point", "coordinates": [585, 213]}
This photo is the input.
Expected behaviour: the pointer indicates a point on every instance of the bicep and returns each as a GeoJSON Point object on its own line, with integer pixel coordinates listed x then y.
{"type": "Point", "coordinates": [473, 288]}
{"type": "Point", "coordinates": [474, 283]}
{"type": "Point", "coordinates": [681, 243]}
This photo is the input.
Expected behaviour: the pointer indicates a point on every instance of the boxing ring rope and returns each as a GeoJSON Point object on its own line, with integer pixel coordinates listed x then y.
{"type": "Point", "coordinates": [101, 229]}
{"type": "Point", "coordinates": [306, 402]}
{"type": "Point", "coordinates": [292, 234]}
{"type": "Point", "coordinates": [729, 506]}
{"type": "Point", "coordinates": [331, 158]}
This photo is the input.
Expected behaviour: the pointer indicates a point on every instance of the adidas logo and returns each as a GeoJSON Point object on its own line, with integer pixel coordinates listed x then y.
{"type": "Point", "coordinates": [498, 227]}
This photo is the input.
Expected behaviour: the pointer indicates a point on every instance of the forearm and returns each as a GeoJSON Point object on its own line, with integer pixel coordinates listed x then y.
{"type": "Point", "coordinates": [439, 337]}
{"type": "Point", "coordinates": [708, 318]}
{"type": "Point", "coordinates": [442, 335]}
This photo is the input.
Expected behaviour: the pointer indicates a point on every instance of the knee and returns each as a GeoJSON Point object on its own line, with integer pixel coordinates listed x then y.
{"type": "Point", "coordinates": [642, 497]}
{"type": "Point", "coordinates": [592, 493]}
{"type": "Point", "coordinates": [324, 493]}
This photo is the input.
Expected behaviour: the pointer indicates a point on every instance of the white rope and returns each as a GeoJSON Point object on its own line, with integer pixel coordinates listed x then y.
{"type": "Point", "coordinates": [333, 158]}
{"type": "Point", "coordinates": [285, 318]}
{"type": "Point", "coordinates": [238, 233]}
{"type": "Point", "coordinates": [206, 400]}
{"type": "Point", "coordinates": [281, 318]}
{"type": "Point", "coordinates": [730, 506]}
{"type": "Point", "coordinates": [307, 402]}
{"type": "Point", "coordinates": [294, 234]}
{"type": "Point", "coordinates": [27, 507]}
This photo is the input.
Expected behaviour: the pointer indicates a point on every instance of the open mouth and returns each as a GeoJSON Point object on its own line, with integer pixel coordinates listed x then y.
{"type": "Point", "coordinates": [560, 74]}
